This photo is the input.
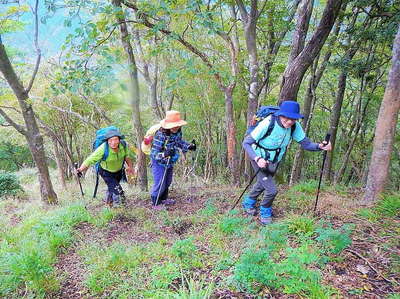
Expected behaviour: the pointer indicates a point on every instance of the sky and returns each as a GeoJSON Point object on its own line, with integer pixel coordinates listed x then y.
{"type": "Point", "coordinates": [51, 34]}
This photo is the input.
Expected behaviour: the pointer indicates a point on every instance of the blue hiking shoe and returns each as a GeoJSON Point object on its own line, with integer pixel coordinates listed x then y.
{"type": "Point", "coordinates": [265, 220]}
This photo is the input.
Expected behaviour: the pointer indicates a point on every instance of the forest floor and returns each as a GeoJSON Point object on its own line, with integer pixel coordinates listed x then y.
{"type": "Point", "coordinates": [198, 249]}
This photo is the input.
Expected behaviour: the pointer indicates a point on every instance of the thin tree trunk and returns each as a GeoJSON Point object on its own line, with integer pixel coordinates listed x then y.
{"type": "Point", "coordinates": [31, 132]}
{"type": "Point", "coordinates": [385, 129]}
{"type": "Point", "coordinates": [231, 136]}
{"type": "Point", "coordinates": [360, 115]}
{"type": "Point", "coordinates": [336, 113]}
{"type": "Point", "coordinates": [135, 95]}
{"type": "Point", "coordinates": [60, 163]}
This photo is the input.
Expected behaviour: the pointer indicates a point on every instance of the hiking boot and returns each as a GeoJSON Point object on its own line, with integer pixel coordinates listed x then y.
{"type": "Point", "coordinates": [116, 201]}
{"type": "Point", "coordinates": [250, 212]}
{"type": "Point", "coordinates": [116, 204]}
{"type": "Point", "coordinates": [265, 220]}
{"type": "Point", "coordinates": [168, 202]}
{"type": "Point", "coordinates": [159, 207]}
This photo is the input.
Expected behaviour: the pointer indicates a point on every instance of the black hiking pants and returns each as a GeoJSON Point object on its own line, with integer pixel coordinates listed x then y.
{"type": "Point", "coordinates": [112, 180]}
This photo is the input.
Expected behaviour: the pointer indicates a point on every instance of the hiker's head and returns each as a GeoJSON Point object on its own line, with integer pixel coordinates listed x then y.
{"type": "Point", "coordinates": [113, 142]}
{"type": "Point", "coordinates": [172, 121]}
{"type": "Point", "coordinates": [113, 138]}
{"type": "Point", "coordinates": [289, 112]}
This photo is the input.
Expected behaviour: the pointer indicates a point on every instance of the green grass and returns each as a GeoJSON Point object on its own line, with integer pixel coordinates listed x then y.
{"type": "Point", "coordinates": [387, 207]}
{"type": "Point", "coordinates": [28, 251]}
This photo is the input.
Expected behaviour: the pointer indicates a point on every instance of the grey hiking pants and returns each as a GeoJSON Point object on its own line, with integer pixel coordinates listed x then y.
{"type": "Point", "coordinates": [265, 183]}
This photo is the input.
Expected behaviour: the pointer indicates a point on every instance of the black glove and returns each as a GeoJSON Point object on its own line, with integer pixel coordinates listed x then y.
{"type": "Point", "coordinates": [192, 146]}
{"type": "Point", "coordinates": [169, 152]}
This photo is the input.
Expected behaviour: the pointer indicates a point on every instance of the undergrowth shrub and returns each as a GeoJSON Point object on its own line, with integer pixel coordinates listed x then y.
{"type": "Point", "coordinates": [334, 240]}
{"type": "Point", "coordinates": [187, 253]}
{"type": "Point", "coordinates": [308, 187]}
{"type": "Point", "coordinates": [388, 206]}
{"type": "Point", "coordinates": [289, 258]}
{"type": "Point", "coordinates": [193, 289]}
{"type": "Point", "coordinates": [210, 209]}
{"type": "Point", "coordinates": [232, 225]}
{"type": "Point", "coordinates": [164, 274]}
{"type": "Point", "coordinates": [300, 225]}
{"type": "Point", "coordinates": [9, 185]}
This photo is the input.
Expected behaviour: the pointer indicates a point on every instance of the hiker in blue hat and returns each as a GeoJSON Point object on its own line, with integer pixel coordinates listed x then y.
{"type": "Point", "coordinates": [266, 146]}
{"type": "Point", "coordinates": [111, 156]}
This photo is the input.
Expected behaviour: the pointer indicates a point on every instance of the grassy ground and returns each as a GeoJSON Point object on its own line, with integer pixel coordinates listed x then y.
{"type": "Point", "coordinates": [197, 248]}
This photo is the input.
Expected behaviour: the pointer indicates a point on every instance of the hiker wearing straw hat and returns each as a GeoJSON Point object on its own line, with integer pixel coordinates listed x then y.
{"type": "Point", "coordinates": [164, 153]}
{"type": "Point", "coordinates": [266, 145]}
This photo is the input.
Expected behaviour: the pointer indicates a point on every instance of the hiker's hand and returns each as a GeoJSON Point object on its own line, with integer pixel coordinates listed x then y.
{"type": "Point", "coordinates": [325, 146]}
{"type": "Point", "coordinates": [261, 162]}
{"type": "Point", "coordinates": [78, 172]}
{"type": "Point", "coordinates": [129, 170]}
{"type": "Point", "coordinates": [192, 147]}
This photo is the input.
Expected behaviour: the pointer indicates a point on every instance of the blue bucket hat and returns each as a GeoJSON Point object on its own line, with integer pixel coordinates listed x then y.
{"type": "Point", "coordinates": [289, 109]}
{"type": "Point", "coordinates": [114, 133]}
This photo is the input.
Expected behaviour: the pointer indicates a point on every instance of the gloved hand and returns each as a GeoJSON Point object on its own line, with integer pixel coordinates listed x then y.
{"type": "Point", "coordinates": [169, 153]}
{"type": "Point", "coordinates": [192, 146]}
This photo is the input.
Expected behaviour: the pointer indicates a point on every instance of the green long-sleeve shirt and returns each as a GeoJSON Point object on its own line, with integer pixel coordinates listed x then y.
{"type": "Point", "coordinates": [114, 161]}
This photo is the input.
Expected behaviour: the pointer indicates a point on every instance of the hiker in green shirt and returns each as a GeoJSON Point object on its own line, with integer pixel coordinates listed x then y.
{"type": "Point", "coordinates": [110, 158]}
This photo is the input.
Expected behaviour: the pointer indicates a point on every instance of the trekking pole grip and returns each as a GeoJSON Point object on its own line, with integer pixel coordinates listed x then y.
{"type": "Point", "coordinates": [327, 138]}
{"type": "Point", "coordinates": [78, 173]}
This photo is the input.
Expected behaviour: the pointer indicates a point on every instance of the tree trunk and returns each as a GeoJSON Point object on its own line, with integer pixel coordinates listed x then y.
{"type": "Point", "coordinates": [135, 96]}
{"type": "Point", "coordinates": [359, 117]}
{"type": "Point", "coordinates": [304, 12]}
{"type": "Point", "coordinates": [31, 132]}
{"type": "Point", "coordinates": [295, 71]}
{"type": "Point", "coordinates": [60, 163]}
{"type": "Point", "coordinates": [231, 136]}
{"type": "Point", "coordinates": [385, 129]}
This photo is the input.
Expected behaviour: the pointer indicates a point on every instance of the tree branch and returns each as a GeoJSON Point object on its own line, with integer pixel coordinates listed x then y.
{"type": "Point", "coordinates": [77, 115]}
{"type": "Point", "coordinates": [18, 127]}
{"type": "Point", "coordinates": [39, 54]}
{"type": "Point", "coordinates": [144, 21]}
{"type": "Point", "coordinates": [98, 109]}
{"type": "Point", "coordinates": [12, 108]}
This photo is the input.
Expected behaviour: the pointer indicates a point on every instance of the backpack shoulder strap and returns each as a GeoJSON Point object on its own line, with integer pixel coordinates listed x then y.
{"type": "Point", "coordinates": [271, 126]}
{"type": "Point", "coordinates": [106, 151]}
{"type": "Point", "coordinates": [292, 129]}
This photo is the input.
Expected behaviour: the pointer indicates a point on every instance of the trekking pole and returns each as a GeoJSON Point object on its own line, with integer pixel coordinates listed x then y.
{"type": "Point", "coordinates": [79, 174]}
{"type": "Point", "coordinates": [162, 180]}
{"type": "Point", "coordinates": [237, 201]}
{"type": "Point", "coordinates": [326, 141]}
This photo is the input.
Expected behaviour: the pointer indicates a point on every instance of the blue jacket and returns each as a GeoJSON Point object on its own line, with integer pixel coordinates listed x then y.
{"type": "Point", "coordinates": [163, 141]}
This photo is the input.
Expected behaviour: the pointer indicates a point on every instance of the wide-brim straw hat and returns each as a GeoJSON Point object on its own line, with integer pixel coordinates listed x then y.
{"type": "Point", "coordinates": [172, 119]}
{"type": "Point", "coordinates": [289, 109]}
